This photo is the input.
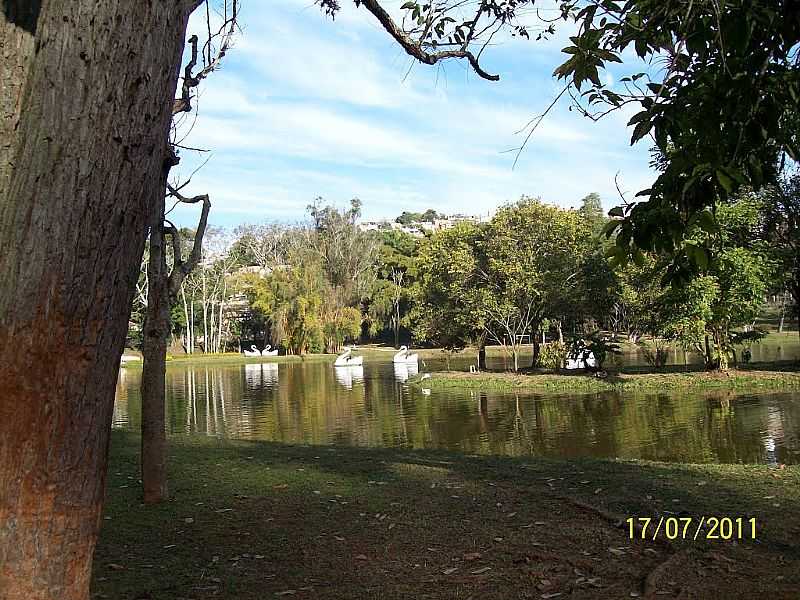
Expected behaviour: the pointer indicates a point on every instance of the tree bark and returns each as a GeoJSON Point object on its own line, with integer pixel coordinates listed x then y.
{"type": "Point", "coordinates": [536, 346]}
{"type": "Point", "coordinates": [163, 287]}
{"type": "Point", "coordinates": [154, 351]}
{"type": "Point", "coordinates": [85, 106]}
{"type": "Point", "coordinates": [186, 318]}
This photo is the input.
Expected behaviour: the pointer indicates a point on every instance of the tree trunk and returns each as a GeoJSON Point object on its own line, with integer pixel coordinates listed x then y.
{"type": "Point", "coordinates": [191, 325]}
{"type": "Point", "coordinates": [186, 319]}
{"type": "Point", "coordinates": [205, 314]}
{"type": "Point", "coordinates": [481, 355]}
{"type": "Point", "coordinates": [222, 314]}
{"type": "Point", "coordinates": [396, 325]}
{"type": "Point", "coordinates": [154, 350]}
{"type": "Point", "coordinates": [85, 105]}
{"type": "Point", "coordinates": [796, 298]}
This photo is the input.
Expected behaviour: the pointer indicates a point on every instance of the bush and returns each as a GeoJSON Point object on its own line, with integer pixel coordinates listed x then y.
{"type": "Point", "coordinates": [553, 355]}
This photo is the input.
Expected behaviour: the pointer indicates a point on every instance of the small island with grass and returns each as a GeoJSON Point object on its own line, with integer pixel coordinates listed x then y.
{"type": "Point", "coordinates": [628, 381]}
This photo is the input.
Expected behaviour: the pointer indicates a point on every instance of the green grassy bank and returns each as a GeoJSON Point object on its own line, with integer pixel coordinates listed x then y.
{"type": "Point", "coordinates": [254, 520]}
{"type": "Point", "coordinates": [749, 379]}
{"type": "Point", "coordinates": [234, 358]}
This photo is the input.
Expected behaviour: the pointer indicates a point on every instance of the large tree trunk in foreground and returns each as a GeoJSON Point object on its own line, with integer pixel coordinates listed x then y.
{"type": "Point", "coordinates": [85, 97]}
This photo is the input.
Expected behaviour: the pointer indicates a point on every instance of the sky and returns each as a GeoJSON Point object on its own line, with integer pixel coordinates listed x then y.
{"type": "Point", "coordinates": [306, 107]}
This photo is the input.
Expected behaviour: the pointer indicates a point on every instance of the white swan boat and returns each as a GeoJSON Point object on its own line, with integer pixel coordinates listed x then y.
{"type": "Point", "coordinates": [345, 359]}
{"type": "Point", "coordinates": [268, 351]}
{"type": "Point", "coordinates": [404, 357]}
{"type": "Point", "coordinates": [253, 352]}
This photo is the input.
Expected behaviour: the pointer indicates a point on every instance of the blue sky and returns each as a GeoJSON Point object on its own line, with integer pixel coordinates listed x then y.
{"type": "Point", "coordinates": [306, 107]}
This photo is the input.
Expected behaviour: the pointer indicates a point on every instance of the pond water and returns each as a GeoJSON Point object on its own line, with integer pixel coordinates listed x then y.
{"type": "Point", "coordinates": [314, 403]}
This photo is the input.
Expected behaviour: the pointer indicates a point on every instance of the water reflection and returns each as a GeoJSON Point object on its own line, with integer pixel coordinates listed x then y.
{"type": "Point", "coordinates": [347, 376]}
{"type": "Point", "coordinates": [402, 371]}
{"type": "Point", "coordinates": [261, 374]}
{"type": "Point", "coordinates": [372, 406]}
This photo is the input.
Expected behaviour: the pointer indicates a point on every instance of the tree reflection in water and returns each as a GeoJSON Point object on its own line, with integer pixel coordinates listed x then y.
{"type": "Point", "coordinates": [373, 406]}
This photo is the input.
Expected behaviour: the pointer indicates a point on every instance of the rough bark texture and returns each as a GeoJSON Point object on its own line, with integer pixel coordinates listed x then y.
{"type": "Point", "coordinates": [85, 96]}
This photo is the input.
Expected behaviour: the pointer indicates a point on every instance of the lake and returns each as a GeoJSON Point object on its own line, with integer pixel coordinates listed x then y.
{"type": "Point", "coordinates": [314, 403]}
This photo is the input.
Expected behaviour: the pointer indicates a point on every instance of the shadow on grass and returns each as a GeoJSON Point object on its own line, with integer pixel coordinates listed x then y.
{"type": "Point", "coordinates": [255, 519]}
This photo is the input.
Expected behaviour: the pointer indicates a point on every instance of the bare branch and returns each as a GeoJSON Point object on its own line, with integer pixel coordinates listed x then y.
{"type": "Point", "coordinates": [174, 193]}
{"type": "Point", "coordinates": [177, 257]}
{"type": "Point", "coordinates": [184, 103]}
{"type": "Point", "coordinates": [534, 124]}
{"type": "Point", "coordinates": [182, 268]}
{"type": "Point", "coordinates": [192, 80]}
{"type": "Point", "coordinates": [415, 49]}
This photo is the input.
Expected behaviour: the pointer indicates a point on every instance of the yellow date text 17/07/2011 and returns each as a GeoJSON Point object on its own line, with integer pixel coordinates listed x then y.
{"type": "Point", "coordinates": [692, 528]}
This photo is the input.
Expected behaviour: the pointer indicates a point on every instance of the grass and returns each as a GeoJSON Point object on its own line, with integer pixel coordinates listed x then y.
{"type": "Point", "coordinates": [230, 358]}
{"type": "Point", "coordinates": [252, 520]}
{"type": "Point", "coordinates": [632, 380]}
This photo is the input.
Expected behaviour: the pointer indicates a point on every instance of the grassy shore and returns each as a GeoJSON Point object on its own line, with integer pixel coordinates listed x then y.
{"type": "Point", "coordinates": [383, 352]}
{"type": "Point", "coordinates": [632, 381]}
{"type": "Point", "coordinates": [254, 520]}
{"type": "Point", "coordinates": [230, 358]}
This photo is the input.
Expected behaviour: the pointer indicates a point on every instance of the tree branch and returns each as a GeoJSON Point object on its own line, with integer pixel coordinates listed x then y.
{"type": "Point", "coordinates": [184, 103]}
{"type": "Point", "coordinates": [414, 48]}
{"type": "Point", "coordinates": [190, 80]}
{"type": "Point", "coordinates": [183, 268]}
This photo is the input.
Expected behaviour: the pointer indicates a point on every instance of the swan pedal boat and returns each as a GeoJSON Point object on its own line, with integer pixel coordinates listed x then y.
{"type": "Point", "coordinates": [346, 360]}
{"type": "Point", "coordinates": [404, 357]}
{"type": "Point", "coordinates": [255, 352]}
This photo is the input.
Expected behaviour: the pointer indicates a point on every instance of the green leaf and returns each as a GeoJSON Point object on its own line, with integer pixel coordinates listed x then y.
{"type": "Point", "coordinates": [606, 55]}
{"type": "Point", "coordinates": [639, 117]}
{"type": "Point", "coordinates": [707, 222]}
{"type": "Point", "coordinates": [640, 131]}
{"type": "Point", "coordinates": [641, 47]}
{"type": "Point", "coordinates": [610, 227]}
{"type": "Point", "coordinates": [725, 181]}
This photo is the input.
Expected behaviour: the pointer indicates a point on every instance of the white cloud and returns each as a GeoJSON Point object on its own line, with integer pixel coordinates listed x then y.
{"type": "Point", "coordinates": [304, 107]}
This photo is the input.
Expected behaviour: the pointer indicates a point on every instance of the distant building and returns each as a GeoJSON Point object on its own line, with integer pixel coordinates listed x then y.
{"type": "Point", "coordinates": [421, 228]}
{"type": "Point", "coordinates": [258, 270]}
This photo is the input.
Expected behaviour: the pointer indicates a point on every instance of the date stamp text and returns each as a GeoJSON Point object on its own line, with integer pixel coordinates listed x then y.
{"type": "Point", "coordinates": [692, 528]}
